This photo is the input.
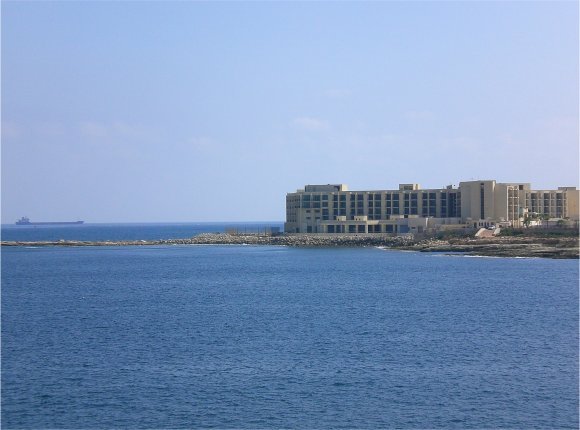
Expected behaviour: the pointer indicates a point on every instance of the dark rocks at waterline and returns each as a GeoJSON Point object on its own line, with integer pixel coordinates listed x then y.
{"type": "Point", "coordinates": [503, 247]}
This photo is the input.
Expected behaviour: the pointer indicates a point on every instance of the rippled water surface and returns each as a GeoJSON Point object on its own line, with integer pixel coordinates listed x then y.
{"type": "Point", "coordinates": [262, 337]}
{"type": "Point", "coordinates": [130, 231]}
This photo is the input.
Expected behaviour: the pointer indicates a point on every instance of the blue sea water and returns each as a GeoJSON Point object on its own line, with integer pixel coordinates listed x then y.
{"type": "Point", "coordinates": [276, 337]}
{"type": "Point", "coordinates": [129, 231]}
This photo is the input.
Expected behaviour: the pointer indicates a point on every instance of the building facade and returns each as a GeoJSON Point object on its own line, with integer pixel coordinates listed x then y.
{"type": "Point", "coordinates": [336, 209]}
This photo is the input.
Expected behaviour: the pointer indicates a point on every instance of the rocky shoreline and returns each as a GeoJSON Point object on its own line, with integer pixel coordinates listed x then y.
{"type": "Point", "coordinates": [565, 247]}
{"type": "Point", "coordinates": [503, 247]}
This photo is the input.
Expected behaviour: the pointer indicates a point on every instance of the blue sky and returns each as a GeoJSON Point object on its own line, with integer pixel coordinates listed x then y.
{"type": "Point", "coordinates": [199, 111]}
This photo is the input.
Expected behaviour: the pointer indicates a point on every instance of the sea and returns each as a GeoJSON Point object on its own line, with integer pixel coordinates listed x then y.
{"type": "Point", "coordinates": [260, 337]}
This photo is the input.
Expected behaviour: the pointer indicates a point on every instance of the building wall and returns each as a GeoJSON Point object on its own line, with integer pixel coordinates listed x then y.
{"type": "Point", "coordinates": [561, 203]}
{"type": "Point", "coordinates": [316, 208]}
{"type": "Point", "coordinates": [483, 200]}
{"type": "Point", "coordinates": [333, 208]}
{"type": "Point", "coordinates": [573, 200]}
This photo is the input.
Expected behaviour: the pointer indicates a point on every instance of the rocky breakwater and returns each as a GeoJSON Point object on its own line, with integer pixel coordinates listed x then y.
{"type": "Point", "coordinates": [295, 240]}
{"type": "Point", "coordinates": [564, 247]}
{"type": "Point", "coordinates": [304, 240]}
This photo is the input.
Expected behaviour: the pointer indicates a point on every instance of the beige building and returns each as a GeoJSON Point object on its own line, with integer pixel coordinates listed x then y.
{"type": "Point", "coordinates": [335, 209]}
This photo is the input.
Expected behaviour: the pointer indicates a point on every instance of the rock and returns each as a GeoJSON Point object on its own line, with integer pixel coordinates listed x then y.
{"type": "Point", "coordinates": [566, 247]}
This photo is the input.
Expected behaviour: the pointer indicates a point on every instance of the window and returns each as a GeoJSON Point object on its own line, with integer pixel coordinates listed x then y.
{"type": "Point", "coordinates": [481, 202]}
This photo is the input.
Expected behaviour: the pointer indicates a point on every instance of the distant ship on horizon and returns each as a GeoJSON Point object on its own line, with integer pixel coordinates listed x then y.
{"type": "Point", "coordinates": [26, 221]}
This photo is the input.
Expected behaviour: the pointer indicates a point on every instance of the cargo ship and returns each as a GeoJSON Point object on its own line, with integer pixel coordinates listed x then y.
{"type": "Point", "coordinates": [25, 221]}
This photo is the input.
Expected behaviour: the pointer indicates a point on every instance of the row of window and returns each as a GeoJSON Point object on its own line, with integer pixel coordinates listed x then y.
{"type": "Point", "coordinates": [535, 196]}
{"type": "Point", "coordinates": [374, 197]}
{"type": "Point", "coordinates": [426, 212]}
{"type": "Point", "coordinates": [377, 198]}
{"type": "Point", "coordinates": [360, 228]}
{"type": "Point", "coordinates": [359, 204]}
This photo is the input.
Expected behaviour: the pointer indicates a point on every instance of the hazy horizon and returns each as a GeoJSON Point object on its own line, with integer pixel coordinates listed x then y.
{"type": "Point", "coordinates": [233, 223]}
{"type": "Point", "coordinates": [212, 112]}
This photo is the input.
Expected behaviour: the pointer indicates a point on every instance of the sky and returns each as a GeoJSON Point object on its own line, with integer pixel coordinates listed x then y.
{"type": "Point", "coordinates": [213, 111]}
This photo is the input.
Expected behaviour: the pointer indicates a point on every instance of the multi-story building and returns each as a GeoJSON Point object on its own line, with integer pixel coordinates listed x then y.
{"type": "Point", "coordinates": [335, 209]}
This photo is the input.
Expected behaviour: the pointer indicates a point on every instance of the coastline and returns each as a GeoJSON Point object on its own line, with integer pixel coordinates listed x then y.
{"type": "Point", "coordinates": [560, 248]}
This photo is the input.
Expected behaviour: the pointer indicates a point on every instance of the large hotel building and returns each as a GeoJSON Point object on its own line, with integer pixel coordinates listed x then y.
{"type": "Point", "coordinates": [335, 209]}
